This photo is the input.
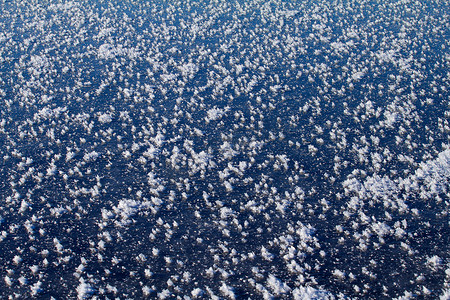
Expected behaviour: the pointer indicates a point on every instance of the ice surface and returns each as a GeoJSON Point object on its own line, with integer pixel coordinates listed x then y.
{"type": "Point", "coordinates": [224, 149]}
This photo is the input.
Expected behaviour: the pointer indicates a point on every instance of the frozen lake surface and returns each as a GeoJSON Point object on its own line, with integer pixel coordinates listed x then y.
{"type": "Point", "coordinates": [224, 149]}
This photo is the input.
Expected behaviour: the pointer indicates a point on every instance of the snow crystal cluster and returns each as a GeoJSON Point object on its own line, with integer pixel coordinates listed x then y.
{"type": "Point", "coordinates": [198, 149]}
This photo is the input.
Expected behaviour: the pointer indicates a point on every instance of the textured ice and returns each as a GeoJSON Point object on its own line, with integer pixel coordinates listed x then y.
{"type": "Point", "coordinates": [224, 149]}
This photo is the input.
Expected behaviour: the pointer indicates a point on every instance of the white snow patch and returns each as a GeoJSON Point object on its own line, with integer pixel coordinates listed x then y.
{"type": "Point", "coordinates": [84, 290]}
{"type": "Point", "coordinates": [105, 118]}
{"type": "Point", "coordinates": [215, 114]}
{"type": "Point", "coordinates": [310, 293]}
{"type": "Point", "coordinates": [277, 286]}
{"type": "Point", "coordinates": [128, 207]}
{"type": "Point", "coordinates": [91, 156]}
{"type": "Point", "coordinates": [227, 291]}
